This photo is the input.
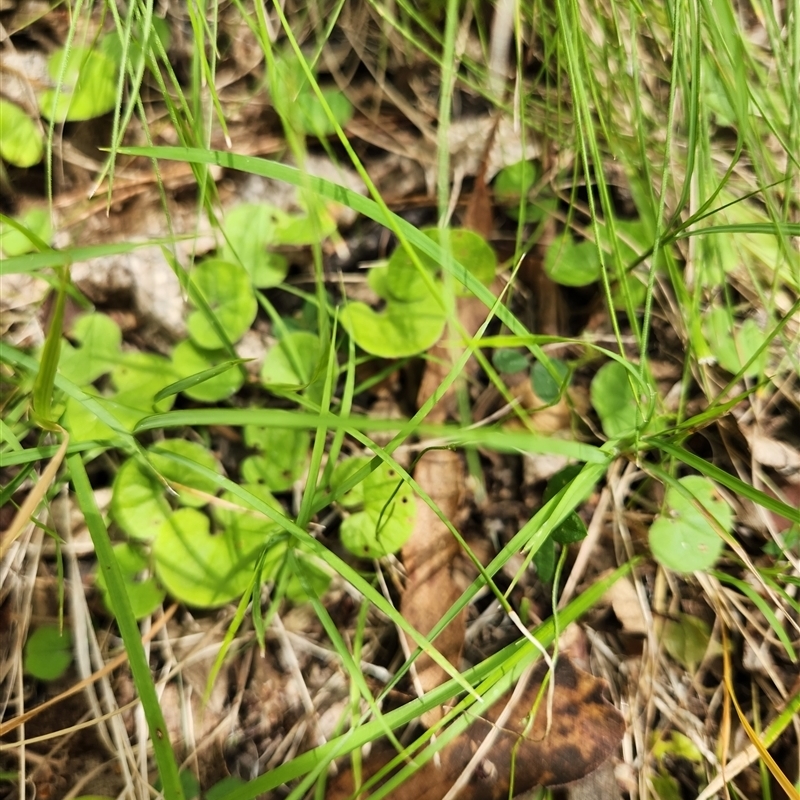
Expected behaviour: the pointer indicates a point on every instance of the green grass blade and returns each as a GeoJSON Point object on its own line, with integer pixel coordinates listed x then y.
{"type": "Point", "coordinates": [120, 605]}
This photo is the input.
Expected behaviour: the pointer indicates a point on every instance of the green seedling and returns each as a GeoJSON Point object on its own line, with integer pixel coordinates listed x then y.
{"type": "Point", "coordinates": [382, 509]}
{"type": "Point", "coordinates": [413, 319]}
{"type": "Point", "coordinates": [207, 569]}
{"type": "Point", "coordinates": [199, 566]}
{"type": "Point", "coordinates": [250, 229]}
{"type": "Point", "coordinates": [665, 787]}
{"type": "Point", "coordinates": [282, 456]}
{"type": "Point", "coordinates": [509, 361]}
{"type": "Point", "coordinates": [613, 399]}
{"type": "Point", "coordinates": [683, 537]}
{"type": "Point", "coordinates": [291, 364]}
{"type": "Point", "coordinates": [21, 142]}
{"type": "Point", "coordinates": [735, 345]}
{"type": "Point", "coordinates": [572, 263]}
{"type": "Point", "coordinates": [228, 292]}
{"type": "Point", "coordinates": [48, 653]}
{"type": "Point", "coordinates": [666, 750]}
{"type": "Point", "coordinates": [571, 530]}
{"type": "Point", "coordinates": [298, 104]}
{"type": "Point", "coordinates": [14, 242]}
{"type": "Point", "coordinates": [633, 238]}
{"type": "Point", "coordinates": [143, 591]}
{"type": "Point", "coordinates": [196, 483]}
{"type": "Point", "coordinates": [207, 376]}
{"type": "Point", "coordinates": [545, 385]}
{"type": "Point", "coordinates": [472, 251]}
{"type": "Point", "coordinates": [686, 640]}
{"type": "Point", "coordinates": [512, 192]}
{"type": "Point", "coordinates": [99, 342]}
{"type": "Point", "coordinates": [138, 502]}
{"type": "Point", "coordinates": [279, 562]}
{"type": "Point", "coordinates": [303, 229]}
{"type": "Point", "coordinates": [87, 85]}
{"type": "Point", "coordinates": [677, 744]}
{"type": "Point", "coordinates": [136, 377]}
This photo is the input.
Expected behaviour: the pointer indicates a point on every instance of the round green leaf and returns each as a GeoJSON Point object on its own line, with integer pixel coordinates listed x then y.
{"type": "Point", "coordinates": [48, 653]}
{"type": "Point", "coordinates": [249, 231]}
{"type": "Point", "coordinates": [686, 640]}
{"type": "Point", "coordinates": [402, 329]}
{"type": "Point", "coordinates": [144, 593]}
{"type": "Point", "coordinates": [614, 401]}
{"type": "Point", "coordinates": [176, 472]}
{"type": "Point", "coordinates": [734, 345]}
{"type": "Point", "coordinates": [15, 243]}
{"type": "Point", "coordinates": [312, 115]}
{"type": "Point", "coordinates": [202, 569]}
{"type": "Point", "coordinates": [139, 377]}
{"type": "Point", "coordinates": [282, 459]}
{"type": "Point", "coordinates": [387, 514]}
{"type": "Point", "coordinates": [138, 504]}
{"type": "Point", "coordinates": [514, 181]}
{"type": "Point", "coordinates": [227, 289]}
{"type": "Point", "coordinates": [468, 248]}
{"type": "Point", "coordinates": [188, 360]}
{"type": "Point", "coordinates": [572, 263]}
{"type": "Point", "coordinates": [572, 529]}
{"type": "Point", "coordinates": [543, 382]}
{"type": "Point", "coordinates": [21, 141]}
{"type": "Point", "coordinates": [683, 538]}
{"type": "Point", "coordinates": [82, 423]}
{"type": "Point", "coordinates": [291, 363]}
{"type": "Point", "coordinates": [98, 351]}
{"type": "Point", "coordinates": [89, 87]}
{"type": "Point", "coordinates": [509, 361]}
{"type": "Point", "coordinates": [545, 560]}
{"type": "Point", "coordinates": [245, 519]}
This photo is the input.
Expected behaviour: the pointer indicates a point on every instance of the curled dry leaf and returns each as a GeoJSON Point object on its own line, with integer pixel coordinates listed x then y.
{"type": "Point", "coordinates": [584, 731]}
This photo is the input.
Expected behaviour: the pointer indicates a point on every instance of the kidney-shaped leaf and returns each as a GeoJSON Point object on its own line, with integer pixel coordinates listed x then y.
{"type": "Point", "coordinates": [290, 364]}
{"type": "Point", "coordinates": [20, 140]}
{"type": "Point", "coordinates": [402, 329]}
{"type": "Point", "coordinates": [572, 263]}
{"type": "Point", "coordinates": [183, 474]}
{"type": "Point", "coordinates": [89, 87]}
{"type": "Point", "coordinates": [614, 400]}
{"type": "Point", "coordinates": [387, 514]}
{"type": "Point", "coordinates": [249, 231]}
{"type": "Point", "coordinates": [403, 279]}
{"type": "Point", "coordinates": [227, 289]}
{"type": "Point", "coordinates": [138, 504]}
{"type": "Point", "coordinates": [202, 569]}
{"type": "Point", "coordinates": [144, 593]}
{"type": "Point", "coordinates": [684, 538]}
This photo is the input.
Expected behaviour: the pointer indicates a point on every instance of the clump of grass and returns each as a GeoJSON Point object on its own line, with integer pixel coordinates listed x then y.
{"type": "Point", "coordinates": [675, 107]}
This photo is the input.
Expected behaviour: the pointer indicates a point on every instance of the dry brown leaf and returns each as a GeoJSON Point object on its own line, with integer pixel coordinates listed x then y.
{"type": "Point", "coordinates": [433, 583]}
{"type": "Point", "coordinates": [585, 730]}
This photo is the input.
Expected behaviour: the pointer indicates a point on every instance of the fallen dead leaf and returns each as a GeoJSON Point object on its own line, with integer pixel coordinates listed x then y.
{"type": "Point", "coordinates": [430, 554]}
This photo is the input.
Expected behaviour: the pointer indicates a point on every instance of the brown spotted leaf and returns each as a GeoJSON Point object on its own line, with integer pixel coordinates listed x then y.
{"type": "Point", "coordinates": [585, 729]}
